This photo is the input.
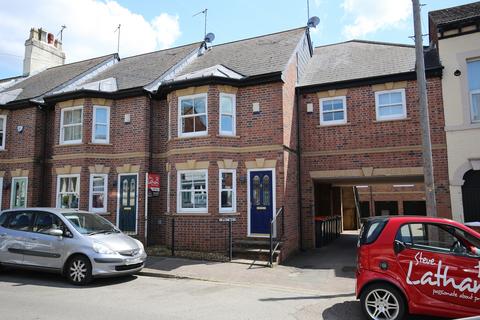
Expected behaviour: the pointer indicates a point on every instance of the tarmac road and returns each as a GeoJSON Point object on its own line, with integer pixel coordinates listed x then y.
{"type": "Point", "coordinates": [29, 295]}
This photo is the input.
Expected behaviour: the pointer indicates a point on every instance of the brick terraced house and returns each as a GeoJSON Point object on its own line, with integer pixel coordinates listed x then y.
{"type": "Point", "coordinates": [241, 130]}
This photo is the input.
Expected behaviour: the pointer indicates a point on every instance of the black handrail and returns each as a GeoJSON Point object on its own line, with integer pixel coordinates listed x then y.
{"type": "Point", "coordinates": [273, 222]}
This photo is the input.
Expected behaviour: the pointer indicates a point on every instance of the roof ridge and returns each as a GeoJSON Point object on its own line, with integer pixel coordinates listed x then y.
{"type": "Point", "coordinates": [161, 50]}
{"type": "Point", "coordinates": [395, 44]}
{"type": "Point", "coordinates": [80, 61]}
{"type": "Point", "coordinates": [260, 36]}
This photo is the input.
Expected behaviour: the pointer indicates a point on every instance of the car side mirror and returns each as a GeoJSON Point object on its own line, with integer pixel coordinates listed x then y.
{"type": "Point", "coordinates": [399, 246]}
{"type": "Point", "coordinates": [56, 232]}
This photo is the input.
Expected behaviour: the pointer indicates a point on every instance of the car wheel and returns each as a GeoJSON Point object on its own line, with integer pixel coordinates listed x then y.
{"type": "Point", "coordinates": [381, 301]}
{"type": "Point", "coordinates": [79, 270]}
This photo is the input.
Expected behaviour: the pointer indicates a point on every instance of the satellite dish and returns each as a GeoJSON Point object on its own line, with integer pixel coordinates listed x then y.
{"type": "Point", "coordinates": [209, 37]}
{"type": "Point", "coordinates": [313, 22]}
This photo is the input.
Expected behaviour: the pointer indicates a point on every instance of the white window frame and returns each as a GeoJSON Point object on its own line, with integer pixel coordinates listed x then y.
{"type": "Point", "coordinates": [4, 128]}
{"type": "Point", "coordinates": [1, 192]}
{"type": "Point", "coordinates": [471, 93]}
{"type": "Point", "coordinates": [233, 114]}
{"type": "Point", "coordinates": [471, 106]}
{"type": "Point", "coordinates": [395, 117]}
{"type": "Point", "coordinates": [168, 191]}
{"type": "Point", "coordinates": [234, 191]}
{"type": "Point", "coordinates": [57, 201]}
{"type": "Point", "coordinates": [333, 122]}
{"type": "Point", "coordinates": [179, 120]}
{"type": "Point", "coordinates": [105, 193]}
{"type": "Point", "coordinates": [94, 122]}
{"type": "Point", "coordinates": [179, 193]}
{"type": "Point", "coordinates": [26, 191]}
{"type": "Point", "coordinates": [62, 127]}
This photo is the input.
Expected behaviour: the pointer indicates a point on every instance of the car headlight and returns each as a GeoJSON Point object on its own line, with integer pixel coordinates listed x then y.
{"type": "Point", "coordinates": [102, 249]}
{"type": "Point", "coordinates": [140, 245]}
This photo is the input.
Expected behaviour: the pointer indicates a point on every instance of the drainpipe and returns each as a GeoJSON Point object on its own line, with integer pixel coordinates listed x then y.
{"type": "Point", "coordinates": [43, 160]}
{"type": "Point", "coordinates": [299, 167]}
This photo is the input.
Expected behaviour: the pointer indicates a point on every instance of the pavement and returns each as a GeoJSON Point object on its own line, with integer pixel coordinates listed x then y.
{"type": "Point", "coordinates": [327, 271]}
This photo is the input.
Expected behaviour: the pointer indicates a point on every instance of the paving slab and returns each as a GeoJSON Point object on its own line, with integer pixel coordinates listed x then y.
{"type": "Point", "coordinates": [328, 271]}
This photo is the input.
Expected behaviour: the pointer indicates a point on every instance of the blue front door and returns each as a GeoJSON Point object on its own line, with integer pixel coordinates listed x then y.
{"type": "Point", "coordinates": [261, 201]}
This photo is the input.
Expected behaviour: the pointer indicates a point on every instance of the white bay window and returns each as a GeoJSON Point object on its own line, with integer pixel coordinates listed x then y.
{"type": "Point", "coordinates": [71, 125]}
{"type": "Point", "coordinates": [192, 115]}
{"type": "Point", "coordinates": [101, 125]}
{"type": "Point", "coordinates": [227, 190]}
{"type": "Point", "coordinates": [227, 114]}
{"type": "Point", "coordinates": [68, 191]}
{"type": "Point", "coordinates": [192, 191]}
{"type": "Point", "coordinates": [98, 193]}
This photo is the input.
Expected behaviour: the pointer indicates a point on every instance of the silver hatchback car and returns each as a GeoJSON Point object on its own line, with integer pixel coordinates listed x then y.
{"type": "Point", "coordinates": [78, 244]}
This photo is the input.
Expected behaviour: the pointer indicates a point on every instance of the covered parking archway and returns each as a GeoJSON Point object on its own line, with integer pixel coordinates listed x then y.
{"type": "Point", "coordinates": [360, 193]}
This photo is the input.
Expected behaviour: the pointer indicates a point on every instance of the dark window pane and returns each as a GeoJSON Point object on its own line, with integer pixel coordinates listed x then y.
{"type": "Point", "coordinates": [200, 123]}
{"type": "Point", "coordinates": [188, 124]}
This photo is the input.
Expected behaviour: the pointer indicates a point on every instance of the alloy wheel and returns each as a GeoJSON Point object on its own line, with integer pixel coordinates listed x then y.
{"type": "Point", "coordinates": [381, 304]}
{"type": "Point", "coordinates": [78, 271]}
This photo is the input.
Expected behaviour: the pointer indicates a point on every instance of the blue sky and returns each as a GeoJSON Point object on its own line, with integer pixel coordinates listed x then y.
{"type": "Point", "coordinates": [150, 25]}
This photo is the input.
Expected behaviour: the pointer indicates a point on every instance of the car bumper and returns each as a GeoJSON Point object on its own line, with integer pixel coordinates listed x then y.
{"type": "Point", "coordinates": [105, 266]}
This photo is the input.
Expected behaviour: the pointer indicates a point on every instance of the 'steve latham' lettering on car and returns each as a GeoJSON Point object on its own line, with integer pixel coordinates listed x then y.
{"type": "Point", "coordinates": [441, 278]}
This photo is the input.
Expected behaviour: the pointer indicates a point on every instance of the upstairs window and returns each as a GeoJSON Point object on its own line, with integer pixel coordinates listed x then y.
{"type": "Point", "coordinates": [3, 131]}
{"type": "Point", "coordinates": [333, 111]}
{"type": "Point", "coordinates": [71, 125]}
{"type": "Point", "coordinates": [192, 115]}
{"type": "Point", "coordinates": [227, 114]}
{"type": "Point", "coordinates": [101, 125]}
{"type": "Point", "coordinates": [390, 105]}
{"type": "Point", "coordinates": [473, 69]}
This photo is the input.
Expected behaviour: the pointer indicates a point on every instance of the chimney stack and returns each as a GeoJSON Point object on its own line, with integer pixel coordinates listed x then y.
{"type": "Point", "coordinates": [42, 51]}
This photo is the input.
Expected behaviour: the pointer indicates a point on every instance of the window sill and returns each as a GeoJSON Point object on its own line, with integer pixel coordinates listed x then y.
{"type": "Point", "coordinates": [191, 137]}
{"type": "Point", "coordinates": [68, 145]}
{"type": "Point", "coordinates": [334, 125]}
{"type": "Point", "coordinates": [227, 136]}
{"type": "Point", "coordinates": [100, 144]}
{"type": "Point", "coordinates": [389, 120]}
{"type": "Point", "coordinates": [100, 213]}
{"type": "Point", "coordinates": [229, 213]}
{"type": "Point", "coordinates": [191, 214]}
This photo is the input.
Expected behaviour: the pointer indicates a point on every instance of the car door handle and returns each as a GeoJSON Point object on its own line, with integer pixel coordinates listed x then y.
{"type": "Point", "coordinates": [3, 235]}
{"type": "Point", "coordinates": [33, 239]}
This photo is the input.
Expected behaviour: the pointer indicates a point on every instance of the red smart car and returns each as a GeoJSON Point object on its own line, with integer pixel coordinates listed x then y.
{"type": "Point", "coordinates": [418, 265]}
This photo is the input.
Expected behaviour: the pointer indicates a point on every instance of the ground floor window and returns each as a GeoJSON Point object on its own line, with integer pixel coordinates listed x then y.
{"type": "Point", "coordinates": [68, 191]}
{"type": "Point", "coordinates": [98, 192]}
{"type": "Point", "coordinates": [19, 192]}
{"type": "Point", "coordinates": [192, 191]}
{"type": "Point", "coordinates": [227, 190]}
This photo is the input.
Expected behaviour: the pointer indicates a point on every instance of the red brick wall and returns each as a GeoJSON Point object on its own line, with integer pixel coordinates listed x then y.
{"type": "Point", "coordinates": [23, 150]}
{"type": "Point", "coordinates": [363, 131]}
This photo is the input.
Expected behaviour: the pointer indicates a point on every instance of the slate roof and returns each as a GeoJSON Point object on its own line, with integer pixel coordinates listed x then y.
{"type": "Point", "coordinates": [251, 57]}
{"type": "Point", "coordinates": [140, 70]}
{"type": "Point", "coordinates": [357, 59]}
{"type": "Point", "coordinates": [51, 78]}
{"type": "Point", "coordinates": [458, 14]}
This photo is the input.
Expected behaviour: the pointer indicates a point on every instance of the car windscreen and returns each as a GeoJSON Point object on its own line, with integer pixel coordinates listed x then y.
{"type": "Point", "coordinates": [89, 223]}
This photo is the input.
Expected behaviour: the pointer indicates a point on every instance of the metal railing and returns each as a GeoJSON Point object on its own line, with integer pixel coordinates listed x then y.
{"type": "Point", "coordinates": [273, 222]}
{"type": "Point", "coordinates": [327, 229]}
